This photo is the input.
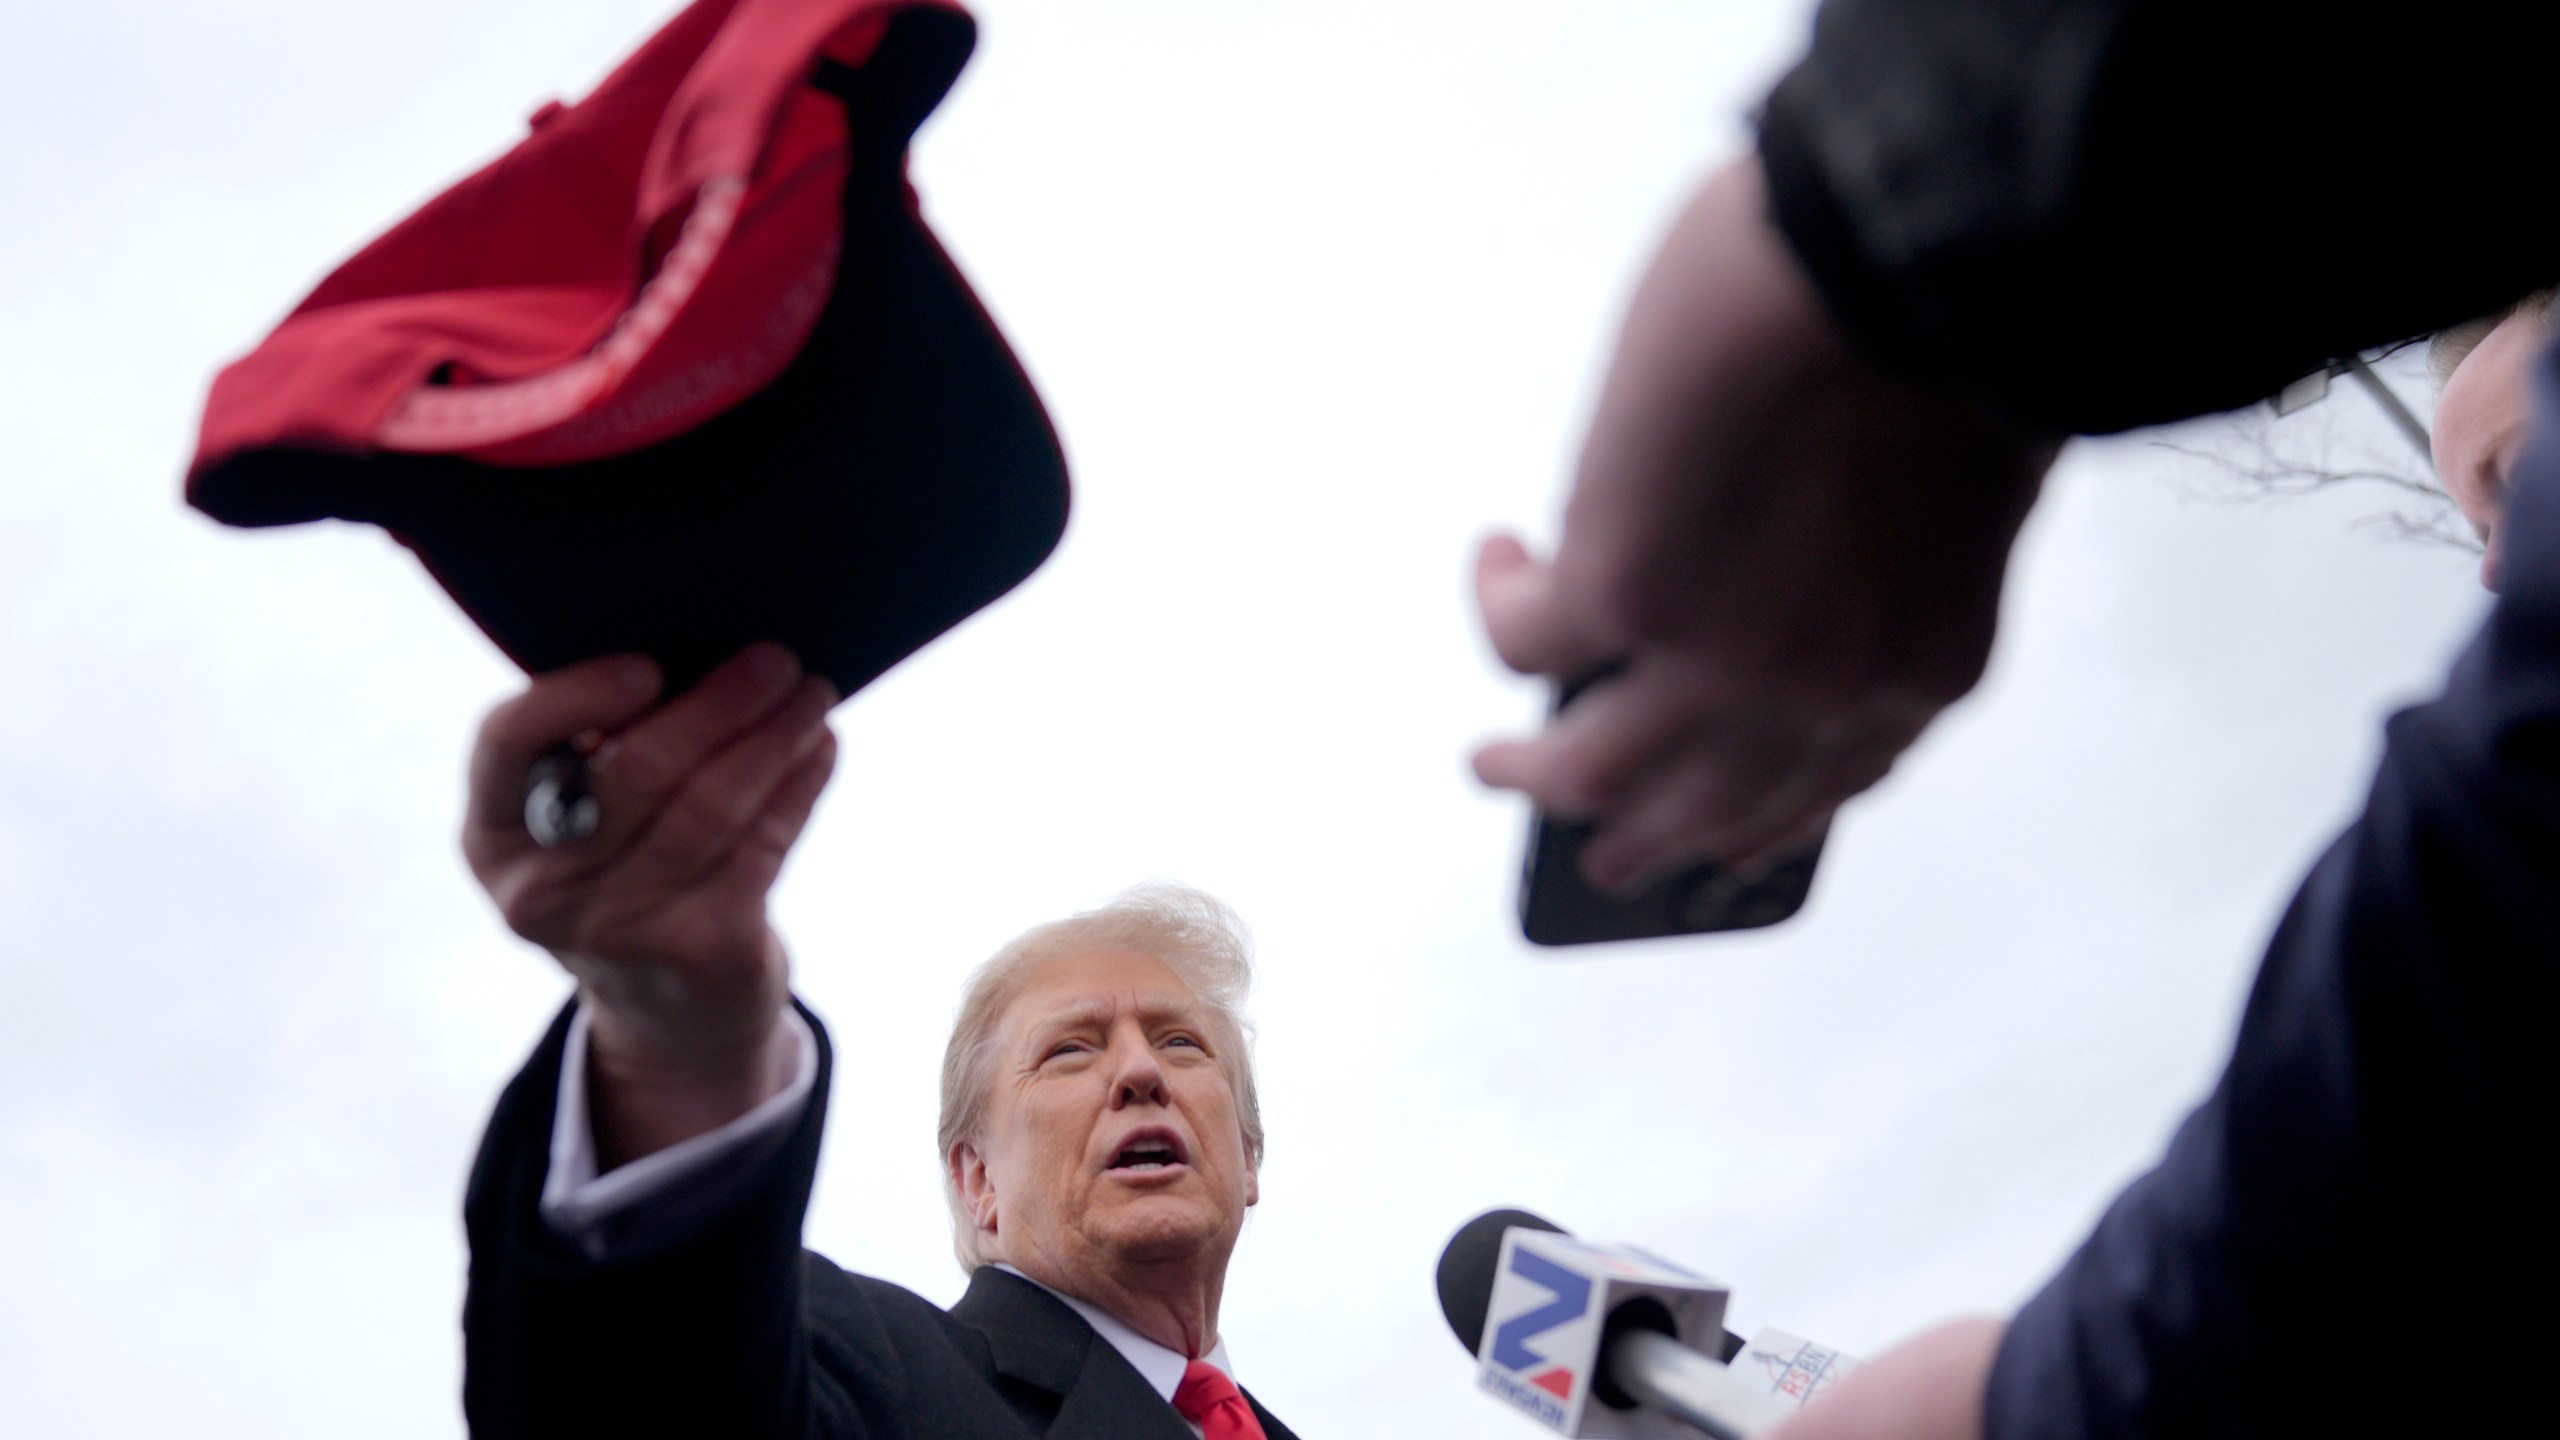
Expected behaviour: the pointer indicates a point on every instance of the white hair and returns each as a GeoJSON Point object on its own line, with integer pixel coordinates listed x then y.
{"type": "Point", "coordinates": [2450, 347]}
{"type": "Point", "coordinates": [1196, 936]}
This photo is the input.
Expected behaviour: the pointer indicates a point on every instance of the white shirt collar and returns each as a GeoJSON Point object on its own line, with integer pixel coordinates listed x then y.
{"type": "Point", "coordinates": [1160, 1366]}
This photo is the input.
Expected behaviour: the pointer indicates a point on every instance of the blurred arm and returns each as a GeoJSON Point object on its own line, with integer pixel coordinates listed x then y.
{"type": "Point", "coordinates": [2088, 215]}
{"type": "Point", "coordinates": [1794, 555]}
{"type": "Point", "coordinates": [1972, 227]}
{"type": "Point", "coordinates": [2352, 1207]}
{"type": "Point", "coordinates": [1987, 224]}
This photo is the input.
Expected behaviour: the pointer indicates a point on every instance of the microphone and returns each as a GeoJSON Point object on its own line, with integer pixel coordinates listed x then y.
{"type": "Point", "coordinates": [1613, 1343]}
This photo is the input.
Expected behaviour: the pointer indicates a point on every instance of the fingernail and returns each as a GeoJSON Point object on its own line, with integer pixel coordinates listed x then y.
{"type": "Point", "coordinates": [635, 673]}
{"type": "Point", "coordinates": [815, 736]}
{"type": "Point", "coordinates": [770, 664]}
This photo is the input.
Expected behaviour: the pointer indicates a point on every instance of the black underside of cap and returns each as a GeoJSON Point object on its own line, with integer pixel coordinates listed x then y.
{"type": "Point", "coordinates": [897, 477]}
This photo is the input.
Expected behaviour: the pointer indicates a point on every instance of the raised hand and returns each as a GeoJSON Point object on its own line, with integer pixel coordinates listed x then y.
{"type": "Point", "coordinates": [1795, 557]}
{"type": "Point", "coordinates": [661, 914]}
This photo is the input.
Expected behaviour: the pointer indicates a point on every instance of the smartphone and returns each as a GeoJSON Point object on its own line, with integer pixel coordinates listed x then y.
{"type": "Point", "coordinates": [1557, 907]}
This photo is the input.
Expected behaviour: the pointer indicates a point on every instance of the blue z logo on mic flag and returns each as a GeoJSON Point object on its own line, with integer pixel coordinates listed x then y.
{"type": "Point", "coordinates": [1573, 1295]}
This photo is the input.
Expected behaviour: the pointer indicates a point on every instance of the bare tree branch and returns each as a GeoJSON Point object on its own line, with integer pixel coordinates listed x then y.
{"type": "Point", "coordinates": [2257, 463]}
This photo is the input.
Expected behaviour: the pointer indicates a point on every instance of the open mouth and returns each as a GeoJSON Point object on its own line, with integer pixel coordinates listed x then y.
{"type": "Point", "coordinates": [1148, 1150]}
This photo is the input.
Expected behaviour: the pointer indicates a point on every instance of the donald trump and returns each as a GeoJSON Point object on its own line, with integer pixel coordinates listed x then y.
{"type": "Point", "coordinates": [634, 1215]}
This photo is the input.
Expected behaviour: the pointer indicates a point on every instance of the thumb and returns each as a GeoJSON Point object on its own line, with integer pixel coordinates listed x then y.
{"type": "Point", "coordinates": [1523, 615]}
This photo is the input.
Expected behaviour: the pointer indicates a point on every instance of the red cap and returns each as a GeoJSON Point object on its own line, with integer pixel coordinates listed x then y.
{"type": "Point", "coordinates": [682, 370]}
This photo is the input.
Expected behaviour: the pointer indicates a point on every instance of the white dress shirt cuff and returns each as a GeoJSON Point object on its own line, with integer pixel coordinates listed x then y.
{"type": "Point", "coordinates": [660, 1198]}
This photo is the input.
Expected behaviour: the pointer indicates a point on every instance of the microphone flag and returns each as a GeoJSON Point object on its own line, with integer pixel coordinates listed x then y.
{"type": "Point", "coordinates": [1794, 1369]}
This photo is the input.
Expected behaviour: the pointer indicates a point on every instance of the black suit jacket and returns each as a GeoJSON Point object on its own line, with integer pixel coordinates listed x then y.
{"type": "Point", "coordinates": [735, 1330]}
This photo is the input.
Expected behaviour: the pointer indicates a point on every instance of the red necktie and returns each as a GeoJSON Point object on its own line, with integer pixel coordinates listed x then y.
{"type": "Point", "coordinates": [1208, 1399]}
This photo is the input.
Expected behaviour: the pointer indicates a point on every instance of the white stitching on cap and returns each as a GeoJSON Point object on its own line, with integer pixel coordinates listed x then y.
{"type": "Point", "coordinates": [463, 417]}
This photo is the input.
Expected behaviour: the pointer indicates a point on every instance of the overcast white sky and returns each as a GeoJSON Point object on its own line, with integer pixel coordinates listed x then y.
{"type": "Point", "coordinates": [1317, 293]}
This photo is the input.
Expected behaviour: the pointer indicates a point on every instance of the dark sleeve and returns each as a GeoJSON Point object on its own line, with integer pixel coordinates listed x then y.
{"type": "Point", "coordinates": [2348, 1237]}
{"type": "Point", "coordinates": [2096, 214]}
{"type": "Point", "coordinates": [705, 1336]}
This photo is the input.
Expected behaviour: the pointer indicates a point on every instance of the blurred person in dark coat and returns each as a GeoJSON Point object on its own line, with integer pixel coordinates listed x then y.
{"type": "Point", "coordinates": [1972, 229]}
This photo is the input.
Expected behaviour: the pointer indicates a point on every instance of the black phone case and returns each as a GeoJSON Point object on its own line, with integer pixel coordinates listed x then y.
{"type": "Point", "coordinates": [1557, 907]}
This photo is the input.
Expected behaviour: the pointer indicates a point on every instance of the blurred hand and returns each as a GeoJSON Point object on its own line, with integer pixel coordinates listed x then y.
{"type": "Point", "coordinates": [661, 913]}
{"type": "Point", "coordinates": [1929, 1388]}
{"type": "Point", "coordinates": [1796, 556]}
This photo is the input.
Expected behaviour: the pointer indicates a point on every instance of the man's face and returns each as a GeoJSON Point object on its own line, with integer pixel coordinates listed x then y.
{"type": "Point", "coordinates": [2481, 425]}
{"type": "Point", "coordinates": [1111, 1139]}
